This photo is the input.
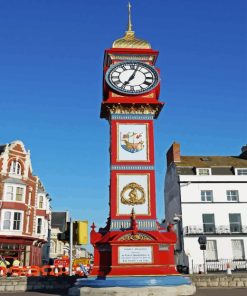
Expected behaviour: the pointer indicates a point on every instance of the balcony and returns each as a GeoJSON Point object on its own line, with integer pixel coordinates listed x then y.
{"type": "Point", "coordinates": [218, 229]}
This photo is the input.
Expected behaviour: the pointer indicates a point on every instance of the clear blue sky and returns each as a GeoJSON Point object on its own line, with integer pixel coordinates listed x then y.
{"type": "Point", "coordinates": [51, 55]}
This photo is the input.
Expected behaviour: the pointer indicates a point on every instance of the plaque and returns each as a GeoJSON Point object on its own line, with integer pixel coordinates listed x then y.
{"type": "Point", "coordinates": [135, 255]}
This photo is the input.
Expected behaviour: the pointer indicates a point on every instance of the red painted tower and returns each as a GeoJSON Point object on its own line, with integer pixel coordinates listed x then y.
{"type": "Point", "coordinates": [132, 243]}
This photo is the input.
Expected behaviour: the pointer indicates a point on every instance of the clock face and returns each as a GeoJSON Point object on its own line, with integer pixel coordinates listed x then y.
{"type": "Point", "coordinates": [132, 77]}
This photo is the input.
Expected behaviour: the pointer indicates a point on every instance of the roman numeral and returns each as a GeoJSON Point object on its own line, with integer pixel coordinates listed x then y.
{"type": "Point", "coordinates": [147, 82]}
{"type": "Point", "coordinates": [115, 74]}
{"type": "Point", "coordinates": [117, 81]}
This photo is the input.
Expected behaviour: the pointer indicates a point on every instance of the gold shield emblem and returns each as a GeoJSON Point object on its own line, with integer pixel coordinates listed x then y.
{"type": "Point", "coordinates": [133, 194]}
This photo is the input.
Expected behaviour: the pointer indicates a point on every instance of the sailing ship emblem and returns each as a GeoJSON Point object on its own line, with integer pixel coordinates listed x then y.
{"type": "Point", "coordinates": [132, 142]}
{"type": "Point", "coordinates": [133, 194]}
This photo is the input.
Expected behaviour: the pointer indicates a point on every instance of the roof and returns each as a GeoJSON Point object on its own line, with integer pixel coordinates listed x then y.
{"type": "Point", "coordinates": [59, 220]}
{"type": "Point", "coordinates": [212, 161]}
{"type": "Point", "coordinates": [14, 181]}
{"type": "Point", "coordinates": [129, 40]}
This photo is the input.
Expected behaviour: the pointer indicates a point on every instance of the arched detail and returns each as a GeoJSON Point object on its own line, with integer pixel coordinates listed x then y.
{"type": "Point", "coordinates": [15, 166]}
{"type": "Point", "coordinates": [18, 143]}
{"type": "Point", "coordinates": [139, 236]}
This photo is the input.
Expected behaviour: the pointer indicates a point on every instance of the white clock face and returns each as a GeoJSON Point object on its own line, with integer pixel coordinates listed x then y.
{"type": "Point", "coordinates": [132, 77]}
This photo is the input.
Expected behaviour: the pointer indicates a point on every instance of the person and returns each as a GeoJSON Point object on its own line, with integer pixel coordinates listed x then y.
{"type": "Point", "coordinates": [16, 262]}
{"type": "Point", "coordinates": [3, 262]}
{"type": "Point", "coordinates": [200, 269]}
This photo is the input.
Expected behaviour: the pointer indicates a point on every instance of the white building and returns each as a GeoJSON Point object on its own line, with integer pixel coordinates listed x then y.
{"type": "Point", "coordinates": [59, 225]}
{"type": "Point", "coordinates": [207, 195]}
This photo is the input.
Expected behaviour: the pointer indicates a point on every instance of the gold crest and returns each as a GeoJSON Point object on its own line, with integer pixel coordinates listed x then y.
{"type": "Point", "coordinates": [133, 194]}
{"type": "Point", "coordinates": [134, 237]}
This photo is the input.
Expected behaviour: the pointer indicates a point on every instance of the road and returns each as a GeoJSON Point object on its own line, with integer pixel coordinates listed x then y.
{"type": "Point", "coordinates": [200, 292]}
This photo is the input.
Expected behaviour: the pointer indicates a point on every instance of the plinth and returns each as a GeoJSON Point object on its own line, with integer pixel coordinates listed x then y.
{"type": "Point", "coordinates": [134, 286]}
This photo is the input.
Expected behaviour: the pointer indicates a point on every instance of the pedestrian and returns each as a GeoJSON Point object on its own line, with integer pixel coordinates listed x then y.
{"type": "Point", "coordinates": [200, 269]}
{"type": "Point", "coordinates": [3, 262]}
{"type": "Point", "coordinates": [16, 262]}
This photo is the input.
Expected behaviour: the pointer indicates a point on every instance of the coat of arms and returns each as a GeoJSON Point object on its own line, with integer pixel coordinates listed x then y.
{"type": "Point", "coordinates": [132, 142]}
{"type": "Point", "coordinates": [133, 194]}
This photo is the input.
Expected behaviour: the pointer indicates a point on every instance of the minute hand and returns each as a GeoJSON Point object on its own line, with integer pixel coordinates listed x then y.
{"type": "Point", "coordinates": [132, 76]}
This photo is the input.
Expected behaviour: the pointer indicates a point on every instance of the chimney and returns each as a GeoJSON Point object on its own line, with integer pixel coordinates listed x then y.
{"type": "Point", "coordinates": [173, 154]}
{"type": "Point", "coordinates": [244, 152]}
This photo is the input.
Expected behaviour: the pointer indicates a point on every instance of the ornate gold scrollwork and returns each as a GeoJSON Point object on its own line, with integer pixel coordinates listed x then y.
{"type": "Point", "coordinates": [135, 194]}
{"type": "Point", "coordinates": [134, 237]}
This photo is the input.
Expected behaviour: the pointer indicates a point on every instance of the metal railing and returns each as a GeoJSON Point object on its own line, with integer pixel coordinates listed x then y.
{"type": "Point", "coordinates": [214, 229]}
{"type": "Point", "coordinates": [221, 265]}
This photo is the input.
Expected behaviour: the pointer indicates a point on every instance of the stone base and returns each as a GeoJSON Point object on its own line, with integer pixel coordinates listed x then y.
{"type": "Point", "coordinates": [134, 286]}
{"type": "Point", "coordinates": [144, 291]}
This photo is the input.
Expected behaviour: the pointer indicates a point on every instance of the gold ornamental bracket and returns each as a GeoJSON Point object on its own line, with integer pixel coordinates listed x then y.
{"type": "Point", "coordinates": [133, 194]}
{"type": "Point", "coordinates": [135, 237]}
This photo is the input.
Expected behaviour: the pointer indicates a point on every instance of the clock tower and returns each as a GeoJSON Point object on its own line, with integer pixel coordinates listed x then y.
{"type": "Point", "coordinates": [132, 242]}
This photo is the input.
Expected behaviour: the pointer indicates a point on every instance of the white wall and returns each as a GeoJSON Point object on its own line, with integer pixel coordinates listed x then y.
{"type": "Point", "coordinates": [192, 213]}
{"type": "Point", "coordinates": [224, 247]}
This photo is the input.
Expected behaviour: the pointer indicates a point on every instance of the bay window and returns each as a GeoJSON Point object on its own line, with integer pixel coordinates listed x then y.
{"type": "Point", "coordinates": [12, 220]}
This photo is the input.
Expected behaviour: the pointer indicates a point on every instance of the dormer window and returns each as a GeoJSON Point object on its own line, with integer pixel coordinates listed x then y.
{"type": "Point", "coordinates": [15, 168]}
{"type": "Point", "coordinates": [203, 171]}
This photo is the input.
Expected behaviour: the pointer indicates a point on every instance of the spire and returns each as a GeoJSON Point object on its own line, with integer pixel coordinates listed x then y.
{"type": "Point", "coordinates": [129, 40]}
{"type": "Point", "coordinates": [129, 23]}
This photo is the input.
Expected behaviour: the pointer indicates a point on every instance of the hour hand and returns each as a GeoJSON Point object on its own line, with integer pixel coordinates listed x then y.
{"type": "Point", "coordinates": [131, 77]}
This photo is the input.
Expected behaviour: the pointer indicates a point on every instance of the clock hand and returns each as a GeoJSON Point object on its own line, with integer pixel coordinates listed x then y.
{"type": "Point", "coordinates": [132, 76]}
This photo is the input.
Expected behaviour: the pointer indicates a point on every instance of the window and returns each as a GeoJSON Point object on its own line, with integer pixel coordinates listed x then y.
{"type": "Point", "coordinates": [17, 221]}
{"type": "Point", "coordinates": [203, 171]}
{"type": "Point", "coordinates": [241, 172]}
{"type": "Point", "coordinates": [10, 193]}
{"type": "Point", "coordinates": [12, 220]}
{"type": "Point", "coordinates": [39, 225]}
{"type": "Point", "coordinates": [19, 193]}
{"type": "Point", "coordinates": [14, 193]}
{"type": "Point", "coordinates": [7, 220]}
{"type": "Point", "coordinates": [208, 222]}
{"type": "Point", "coordinates": [206, 195]}
{"type": "Point", "coordinates": [235, 222]}
{"type": "Point", "coordinates": [15, 167]}
{"type": "Point", "coordinates": [238, 249]}
{"type": "Point", "coordinates": [232, 195]}
{"type": "Point", "coordinates": [211, 251]}
{"type": "Point", "coordinates": [41, 202]}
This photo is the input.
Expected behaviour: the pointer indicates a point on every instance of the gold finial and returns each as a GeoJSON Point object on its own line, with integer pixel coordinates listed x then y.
{"type": "Point", "coordinates": [129, 40]}
{"type": "Point", "coordinates": [129, 23]}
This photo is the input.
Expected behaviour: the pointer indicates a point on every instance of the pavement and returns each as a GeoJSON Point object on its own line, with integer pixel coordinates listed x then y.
{"type": "Point", "coordinates": [200, 292]}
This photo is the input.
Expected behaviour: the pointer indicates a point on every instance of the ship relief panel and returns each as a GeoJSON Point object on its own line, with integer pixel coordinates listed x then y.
{"type": "Point", "coordinates": [132, 142]}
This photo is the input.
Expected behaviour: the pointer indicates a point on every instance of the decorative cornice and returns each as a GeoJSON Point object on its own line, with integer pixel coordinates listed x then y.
{"type": "Point", "coordinates": [132, 167]}
{"type": "Point", "coordinates": [132, 116]}
{"type": "Point", "coordinates": [134, 109]}
{"type": "Point", "coordinates": [126, 224]}
{"type": "Point", "coordinates": [134, 237]}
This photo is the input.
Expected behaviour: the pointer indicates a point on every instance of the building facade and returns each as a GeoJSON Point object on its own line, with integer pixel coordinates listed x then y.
{"type": "Point", "coordinates": [206, 195]}
{"type": "Point", "coordinates": [24, 208]}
